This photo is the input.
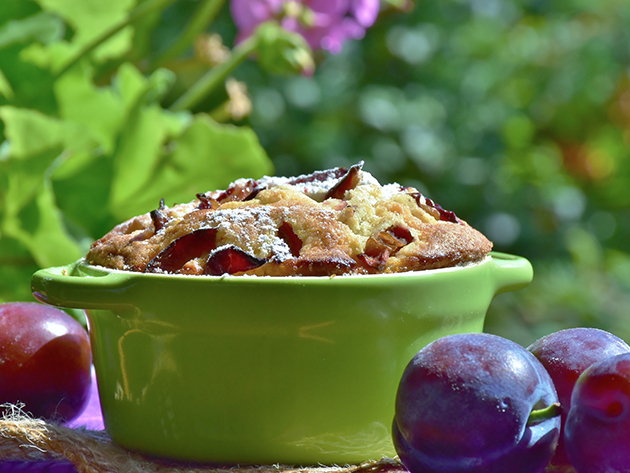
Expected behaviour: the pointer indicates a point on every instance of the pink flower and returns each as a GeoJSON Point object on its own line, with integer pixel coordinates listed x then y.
{"type": "Point", "coordinates": [325, 24]}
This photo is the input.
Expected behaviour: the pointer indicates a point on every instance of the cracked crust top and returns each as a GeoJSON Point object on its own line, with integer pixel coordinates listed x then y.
{"type": "Point", "coordinates": [339, 221]}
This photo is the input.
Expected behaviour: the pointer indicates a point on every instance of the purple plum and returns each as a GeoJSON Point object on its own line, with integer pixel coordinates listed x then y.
{"type": "Point", "coordinates": [475, 403]}
{"type": "Point", "coordinates": [597, 431]}
{"type": "Point", "coordinates": [566, 354]}
{"type": "Point", "coordinates": [45, 360]}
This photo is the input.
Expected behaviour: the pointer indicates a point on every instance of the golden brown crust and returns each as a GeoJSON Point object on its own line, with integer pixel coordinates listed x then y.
{"type": "Point", "coordinates": [338, 222]}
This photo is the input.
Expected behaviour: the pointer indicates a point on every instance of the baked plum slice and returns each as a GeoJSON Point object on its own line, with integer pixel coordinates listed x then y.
{"type": "Point", "coordinates": [319, 176]}
{"type": "Point", "coordinates": [192, 245]}
{"type": "Point", "coordinates": [206, 201]}
{"type": "Point", "coordinates": [201, 244]}
{"type": "Point", "coordinates": [240, 191]}
{"type": "Point", "coordinates": [427, 204]}
{"type": "Point", "coordinates": [159, 217]}
{"type": "Point", "coordinates": [347, 182]}
{"type": "Point", "coordinates": [286, 233]}
{"type": "Point", "coordinates": [383, 245]}
{"type": "Point", "coordinates": [231, 260]}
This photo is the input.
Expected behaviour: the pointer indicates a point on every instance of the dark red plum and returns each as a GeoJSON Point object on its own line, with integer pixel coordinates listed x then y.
{"type": "Point", "coordinates": [45, 361]}
{"type": "Point", "coordinates": [597, 431]}
{"type": "Point", "coordinates": [475, 403]}
{"type": "Point", "coordinates": [566, 354]}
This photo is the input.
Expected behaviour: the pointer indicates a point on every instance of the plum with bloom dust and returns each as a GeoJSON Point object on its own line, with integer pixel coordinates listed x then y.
{"type": "Point", "coordinates": [324, 24]}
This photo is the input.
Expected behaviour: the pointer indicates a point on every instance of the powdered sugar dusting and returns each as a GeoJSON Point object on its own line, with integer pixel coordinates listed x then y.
{"type": "Point", "coordinates": [316, 190]}
{"type": "Point", "coordinates": [390, 190]}
{"type": "Point", "coordinates": [367, 179]}
{"type": "Point", "coordinates": [266, 243]}
{"type": "Point", "coordinates": [315, 186]}
{"type": "Point", "coordinates": [280, 250]}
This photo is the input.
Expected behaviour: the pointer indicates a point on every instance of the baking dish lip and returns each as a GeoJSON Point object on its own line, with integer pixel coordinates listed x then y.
{"type": "Point", "coordinates": [90, 270]}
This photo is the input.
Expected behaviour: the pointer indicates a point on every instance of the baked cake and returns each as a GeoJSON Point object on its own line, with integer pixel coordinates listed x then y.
{"type": "Point", "coordinates": [333, 222]}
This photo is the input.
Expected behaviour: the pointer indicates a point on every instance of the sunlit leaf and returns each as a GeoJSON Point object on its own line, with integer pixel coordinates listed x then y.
{"type": "Point", "coordinates": [90, 18]}
{"type": "Point", "coordinates": [51, 57]}
{"type": "Point", "coordinates": [97, 109]}
{"type": "Point", "coordinates": [147, 128]}
{"type": "Point", "coordinates": [139, 154]}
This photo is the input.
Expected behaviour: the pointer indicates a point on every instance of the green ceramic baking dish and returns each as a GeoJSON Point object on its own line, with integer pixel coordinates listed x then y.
{"type": "Point", "coordinates": [265, 370]}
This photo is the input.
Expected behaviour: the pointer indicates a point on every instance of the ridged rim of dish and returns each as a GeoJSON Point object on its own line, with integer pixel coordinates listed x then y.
{"type": "Point", "coordinates": [81, 263]}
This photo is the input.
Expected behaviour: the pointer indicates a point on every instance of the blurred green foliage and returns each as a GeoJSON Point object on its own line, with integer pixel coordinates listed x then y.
{"type": "Point", "coordinates": [513, 113]}
{"type": "Point", "coordinates": [86, 140]}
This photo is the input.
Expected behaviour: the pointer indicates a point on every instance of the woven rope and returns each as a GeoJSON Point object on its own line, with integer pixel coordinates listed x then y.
{"type": "Point", "coordinates": [25, 438]}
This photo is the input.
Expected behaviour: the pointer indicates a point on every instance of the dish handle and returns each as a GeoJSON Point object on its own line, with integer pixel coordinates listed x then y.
{"type": "Point", "coordinates": [65, 286]}
{"type": "Point", "coordinates": [511, 272]}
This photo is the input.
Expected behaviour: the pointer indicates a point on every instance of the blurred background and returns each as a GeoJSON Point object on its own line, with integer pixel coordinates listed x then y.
{"type": "Point", "coordinates": [514, 114]}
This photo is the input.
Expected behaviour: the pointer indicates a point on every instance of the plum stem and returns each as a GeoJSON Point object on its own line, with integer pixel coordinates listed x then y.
{"type": "Point", "coordinates": [540, 415]}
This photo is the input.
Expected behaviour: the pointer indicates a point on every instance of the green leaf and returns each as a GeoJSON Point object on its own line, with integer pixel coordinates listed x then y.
{"type": "Point", "coordinates": [83, 197]}
{"type": "Point", "coordinates": [17, 268]}
{"type": "Point", "coordinates": [50, 57]}
{"type": "Point", "coordinates": [17, 9]}
{"type": "Point", "coordinates": [90, 18]}
{"type": "Point", "coordinates": [49, 242]}
{"type": "Point", "coordinates": [147, 129]}
{"type": "Point", "coordinates": [30, 133]}
{"type": "Point", "coordinates": [99, 110]}
{"type": "Point", "coordinates": [5, 87]}
{"type": "Point", "coordinates": [36, 146]}
{"type": "Point", "coordinates": [24, 84]}
{"type": "Point", "coordinates": [133, 87]}
{"type": "Point", "coordinates": [43, 27]}
{"type": "Point", "coordinates": [24, 178]}
{"type": "Point", "coordinates": [29, 213]}
{"type": "Point", "coordinates": [207, 156]}
{"type": "Point", "coordinates": [104, 111]}
{"type": "Point", "coordinates": [140, 152]}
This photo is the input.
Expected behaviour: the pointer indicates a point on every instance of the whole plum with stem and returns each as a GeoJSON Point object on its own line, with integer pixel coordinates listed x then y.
{"type": "Point", "coordinates": [475, 403]}
{"type": "Point", "coordinates": [597, 430]}
{"type": "Point", "coordinates": [45, 361]}
{"type": "Point", "coordinates": [566, 354]}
